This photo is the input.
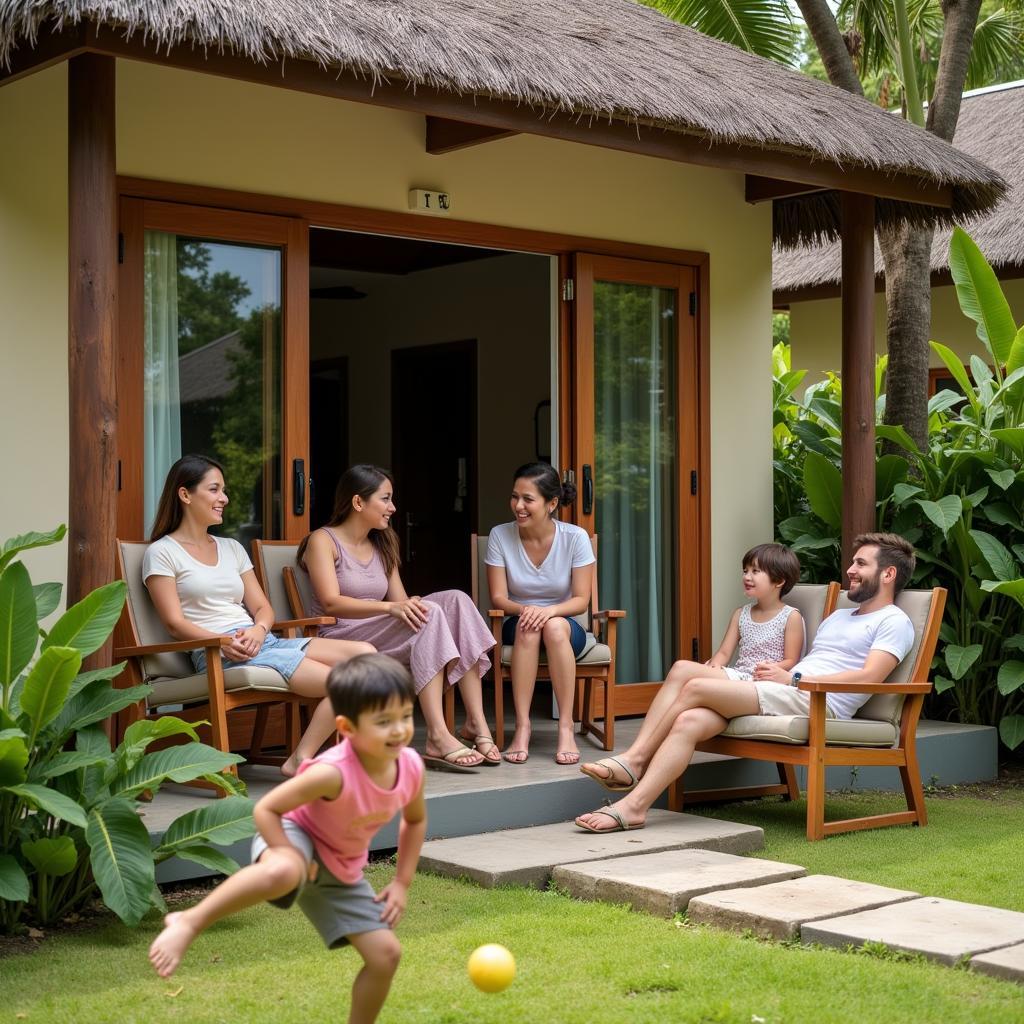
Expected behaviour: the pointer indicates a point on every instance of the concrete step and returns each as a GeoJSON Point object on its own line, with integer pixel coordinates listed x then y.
{"type": "Point", "coordinates": [664, 883]}
{"type": "Point", "coordinates": [779, 910]}
{"type": "Point", "coordinates": [527, 856]}
{"type": "Point", "coordinates": [943, 930]}
{"type": "Point", "coordinates": [1005, 963]}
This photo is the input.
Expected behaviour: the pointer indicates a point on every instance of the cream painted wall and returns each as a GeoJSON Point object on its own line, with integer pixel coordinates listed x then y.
{"type": "Point", "coordinates": [33, 314]}
{"type": "Point", "coordinates": [503, 303]}
{"type": "Point", "coordinates": [815, 329]}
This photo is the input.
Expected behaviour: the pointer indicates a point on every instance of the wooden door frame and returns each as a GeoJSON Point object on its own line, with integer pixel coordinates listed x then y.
{"type": "Point", "coordinates": [291, 236]}
{"type": "Point", "coordinates": [561, 246]}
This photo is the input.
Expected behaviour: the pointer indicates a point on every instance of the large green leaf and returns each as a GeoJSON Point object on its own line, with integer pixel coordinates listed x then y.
{"type": "Point", "coordinates": [94, 704]}
{"type": "Point", "coordinates": [51, 802]}
{"type": "Point", "coordinates": [47, 597]}
{"type": "Point", "coordinates": [14, 887]}
{"type": "Point", "coordinates": [944, 513]}
{"type": "Point", "coordinates": [121, 859]}
{"type": "Point", "coordinates": [890, 470]}
{"type": "Point", "coordinates": [209, 856]}
{"type": "Point", "coordinates": [942, 684]}
{"type": "Point", "coordinates": [13, 757]}
{"type": "Point", "coordinates": [824, 487]}
{"type": "Point", "coordinates": [955, 365]}
{"type": "Point", "coordinates": [1012, 437]}
{"type": "Point", "coordinates": [897, 435]}
{"type": "Point", "coordinates": [1011, 588]}
{"type": "Point", "coordinates": [980, 296]}
{"type": "Point", "coordinates": [86, 625]}
{"type": "Point", "coordinates": [1015, 360]}
{"type": "Point", "coordinates": [139, 735]}
{"type": "Point", "coordinates": [960, 659]}
{"type": "Point", "coordinates": [1011, 731]}
{"type": "Point", "coordinates": [181, 763]}
{"type": "Point", "coordinates": [46, 686]}
{"type": "Point", "coordinates": [51, 856]}
{"type": "Point", "coordinates": [1011, 677]}
{"type": "Point", "coordinates": [64, 762]}
{"type": "Point", "coordinates": [222, 822]}
{"type": "Point", "coordinates": [999, 559]}
{"type": "Point", "coordinates": [24, 541]}
{"type": "Point", "coordinates": [1002, 478]}
{"type": "Point", "coordinates": [19, 629]}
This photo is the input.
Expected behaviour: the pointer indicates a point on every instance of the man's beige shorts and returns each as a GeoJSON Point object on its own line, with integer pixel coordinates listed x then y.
{"type": "Point", "coordinates": [776, 699]}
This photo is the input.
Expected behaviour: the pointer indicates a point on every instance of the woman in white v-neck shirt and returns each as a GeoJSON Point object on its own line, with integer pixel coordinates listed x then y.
{"type": "Point", "coordinates": [204, 586]}
{"type": "Point", "coordinates": [540, 573]}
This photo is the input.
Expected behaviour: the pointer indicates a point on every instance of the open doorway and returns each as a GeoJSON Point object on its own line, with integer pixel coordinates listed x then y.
{"type": "Point", "coordinates": [447, 351]}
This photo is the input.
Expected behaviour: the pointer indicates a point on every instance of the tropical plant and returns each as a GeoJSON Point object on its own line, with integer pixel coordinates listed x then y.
{"type": "Point", "coordinates": [70, 803]}
{"type": "Point", "coordinates": [958, 500]}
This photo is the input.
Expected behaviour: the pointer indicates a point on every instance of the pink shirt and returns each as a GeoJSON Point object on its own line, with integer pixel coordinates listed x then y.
{"type": "Point", "coordinates": [341, 829]}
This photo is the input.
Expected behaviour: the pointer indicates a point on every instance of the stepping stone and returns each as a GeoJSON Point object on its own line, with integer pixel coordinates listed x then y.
{"type": "Point", "coordinates": [778, 911]}
{"type": "Point", "coordinates": [664, 883]}
{"type": "Point", "coordinates": [1002, 963]}
{"type": "Point", "coordinates": [526, 856]}
{"type": "Point", "coordinates": [943, 930]}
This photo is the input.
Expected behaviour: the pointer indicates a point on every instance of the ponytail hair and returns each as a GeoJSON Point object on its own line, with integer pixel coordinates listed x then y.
{"type": "Point", "coordinates": [187, 472]}
{"type": "Point", "coordinates": [545, 477]}
{"type": "Point", "coordinates": [364, 481]}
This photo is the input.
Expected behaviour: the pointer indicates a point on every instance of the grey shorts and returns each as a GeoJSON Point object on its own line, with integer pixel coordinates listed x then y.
{"type": "Point", "coordinates": [335, 909]}
{"type": "Point", "coordinates": [776, 699]}
{"type": "Point", "coordinates": [282, 655]}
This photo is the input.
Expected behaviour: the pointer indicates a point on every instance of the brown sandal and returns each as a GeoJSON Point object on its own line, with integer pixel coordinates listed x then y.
{"type": "Point", "coordinates": [483, 745]}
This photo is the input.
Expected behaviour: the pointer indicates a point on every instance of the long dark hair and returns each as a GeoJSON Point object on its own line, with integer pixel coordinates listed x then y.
{"type": "Point", "coordinates": [365, 481]}
{"type": "Point", "coordinates": [545, 477]}
{"type": "Point", "coordinates": [187, 472]}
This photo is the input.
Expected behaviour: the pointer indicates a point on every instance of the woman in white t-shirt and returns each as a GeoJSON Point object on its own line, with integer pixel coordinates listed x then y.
{"type": "Point", "coordinates": [540, 572]}
{"type": "Point", "coordinates": [205, 586]}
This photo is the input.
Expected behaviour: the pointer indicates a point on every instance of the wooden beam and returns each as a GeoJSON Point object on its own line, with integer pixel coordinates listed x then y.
{"type": "Point", "coordinates": [858, 369]}
{"type": "Point", "coordinates": [509, 116]}
{"type": "Point", "coordinates": [51, 48]}
{"type": "Point", "coordinates": [92, 301]}
{"type": "Point", "coordinates": [761, 190]}
{"type": "Point", "coordinates": [445, 136]}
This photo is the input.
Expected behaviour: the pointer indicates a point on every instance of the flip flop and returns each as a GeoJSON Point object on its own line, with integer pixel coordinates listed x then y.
{"type": "Point", "coordinates": [621, 825]}
{"type": "Point", "coordinates": [483, 741]}
{"type": "Point", "coordinates": [523, 760]}
{"type": "Point", "coordinates": [447, 762]}
{"type": "Point", "coordinates": [567, 757]}
{"type": "Point", "coordinates": [608, 781]}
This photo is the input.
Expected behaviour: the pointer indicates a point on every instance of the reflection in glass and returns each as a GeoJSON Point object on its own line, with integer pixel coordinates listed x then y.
{"type": "Point", "coordinates": [212, 372]}
{"type": "Point", "coordinates": [635, 470]}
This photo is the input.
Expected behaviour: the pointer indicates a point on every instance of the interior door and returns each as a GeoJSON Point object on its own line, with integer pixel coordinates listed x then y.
{"type": "Point", "coordinates": [636, 417]}
{"type": "Point", "coordinates": [214, 359]}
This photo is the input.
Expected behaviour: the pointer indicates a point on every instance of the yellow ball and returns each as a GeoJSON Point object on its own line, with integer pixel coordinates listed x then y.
{"type": "Point", "coordinates": [491, 968]}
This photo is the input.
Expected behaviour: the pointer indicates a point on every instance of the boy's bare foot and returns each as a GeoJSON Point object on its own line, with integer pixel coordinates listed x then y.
{"type": "Point", "coordinates": [171, 944]}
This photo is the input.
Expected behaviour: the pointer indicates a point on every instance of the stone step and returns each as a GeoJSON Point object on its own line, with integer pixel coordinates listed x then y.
{"type": "Point", "coordinates": [527, 856]}
{"type": "Point", "coordinates": [664, 883]}
{"type": "Point", "coordinates": [1005, 963]}
{"type": "Point", "coordinates": [779, 910]}
{"type": "Point", "coordinates": [943, 930]}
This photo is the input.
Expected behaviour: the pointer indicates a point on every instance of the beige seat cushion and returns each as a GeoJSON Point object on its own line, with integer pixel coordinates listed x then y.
{"type": "Point", "coordinates": [594, 654]}
{"type": "Point", "coordinates": [854, 732]}
{"type": "Point", "coordinates": [188, 689]}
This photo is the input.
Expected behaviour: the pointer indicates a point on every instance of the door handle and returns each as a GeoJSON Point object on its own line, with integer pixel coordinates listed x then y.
{"type": "Point", "coordinates": [588, 490]}
{"type": "Point", "coordinates": [298, 487]}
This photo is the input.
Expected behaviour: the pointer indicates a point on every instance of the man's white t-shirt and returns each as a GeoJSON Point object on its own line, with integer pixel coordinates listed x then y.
{"type": "Point", "coordinates": [210, 595]}
{"type": "Point", "coordinates": [843, 642]}
{"type": "Point", "coordinates": [547, 583]}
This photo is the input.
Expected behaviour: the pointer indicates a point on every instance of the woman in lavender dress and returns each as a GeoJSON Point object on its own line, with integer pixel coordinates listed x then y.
{"type": "Point", "coordinates": [353, 568]}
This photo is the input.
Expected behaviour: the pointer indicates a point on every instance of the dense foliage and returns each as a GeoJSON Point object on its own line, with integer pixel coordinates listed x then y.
{"type": "Point", "coordinates": [959, 501]}
{"type": "Point", "coordinates": [70, 803]}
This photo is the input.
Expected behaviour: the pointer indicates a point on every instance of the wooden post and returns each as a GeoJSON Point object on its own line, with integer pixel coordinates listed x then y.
{"type": "Point", "coordinates": [858, 370]}
{"type": "Point", "coordinates": [92, 298]}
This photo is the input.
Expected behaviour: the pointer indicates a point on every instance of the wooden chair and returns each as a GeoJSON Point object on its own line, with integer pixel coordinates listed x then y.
{"type": "Point", "coordinates": [597, 664]}
{"type": "Point", "coordinates": [155, 658]}
{"type": "Point", "coordinates": [883, 732]}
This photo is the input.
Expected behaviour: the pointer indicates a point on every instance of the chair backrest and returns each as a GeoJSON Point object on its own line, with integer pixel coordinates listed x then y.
{"type": "Point", "coordinates": [144, 623]}
{"type": "Point", "coordinates": [270, 559]}
{"type": "Point", "coordinates": [924, 608]}
{"type": "Point", "coordinates": [481, 592]}
{"type": "Point", "coordinates": [814, 602]}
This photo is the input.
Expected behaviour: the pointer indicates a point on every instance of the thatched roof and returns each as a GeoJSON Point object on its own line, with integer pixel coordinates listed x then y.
{"type": "Point", "coordinates": [606, 58]}
{"type": "Point", "coordinates": [990, 125]}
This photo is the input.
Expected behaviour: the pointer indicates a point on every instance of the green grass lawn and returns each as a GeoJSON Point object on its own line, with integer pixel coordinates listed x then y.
{"type": "Point", "coordinates": [579, 963]}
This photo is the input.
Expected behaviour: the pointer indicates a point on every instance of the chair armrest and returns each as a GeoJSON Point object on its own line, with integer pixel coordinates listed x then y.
{"type": "Point", "coordinates": [493, 613]}
{"type": "Point", "coordinates": [608, 613]}
{"type": "Point", "coordinates": [172, 647]}
{"type": "Point", "coordinates": [312, 620]}
{"type": "Point", "coordinates": [811, 686]}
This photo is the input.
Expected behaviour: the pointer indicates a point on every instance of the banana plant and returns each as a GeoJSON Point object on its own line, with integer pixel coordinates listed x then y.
{"type": "Point", "coordinates": [70, 802]}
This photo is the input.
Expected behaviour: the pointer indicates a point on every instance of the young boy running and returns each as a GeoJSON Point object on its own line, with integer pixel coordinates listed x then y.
{"type": "Point", "coordinates": [315, 831]}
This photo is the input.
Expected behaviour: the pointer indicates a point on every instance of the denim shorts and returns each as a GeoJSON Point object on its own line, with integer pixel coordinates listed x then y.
{"type": "Point", "coordinates": [577, 634]}
{"type": "Point", "coordinates": [281, 655]}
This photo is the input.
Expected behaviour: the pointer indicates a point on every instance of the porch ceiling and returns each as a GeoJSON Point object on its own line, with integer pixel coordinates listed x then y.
{"type": "Point", "coordinates": [611, 73]}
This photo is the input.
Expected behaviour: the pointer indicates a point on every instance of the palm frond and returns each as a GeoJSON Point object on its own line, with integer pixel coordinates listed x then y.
{"type": "Point", "coordinates": [998, 51]}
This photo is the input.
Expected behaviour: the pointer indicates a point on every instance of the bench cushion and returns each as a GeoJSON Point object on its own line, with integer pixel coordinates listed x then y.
{"type": "Point", "coordinates": [593, 653]}
{"type": "Point", "coordinates": [186, 689]}
{"type": "Point", "coordinates": [854, 732]}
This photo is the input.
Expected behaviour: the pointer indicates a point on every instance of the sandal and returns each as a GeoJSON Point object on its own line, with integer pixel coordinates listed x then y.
{"type": "Point", "coordinates": [512, 756]}
{"type": "Point", "coordinates": [621, 825]}
{"type": "Point", "coordinates": [609, 781]}
{"type": "Point", "coordinates": [567, 757]}
{"type": "Point", "coordinates": [449, 762]}
{"type": "Point", "coordinates": [484, 745]}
